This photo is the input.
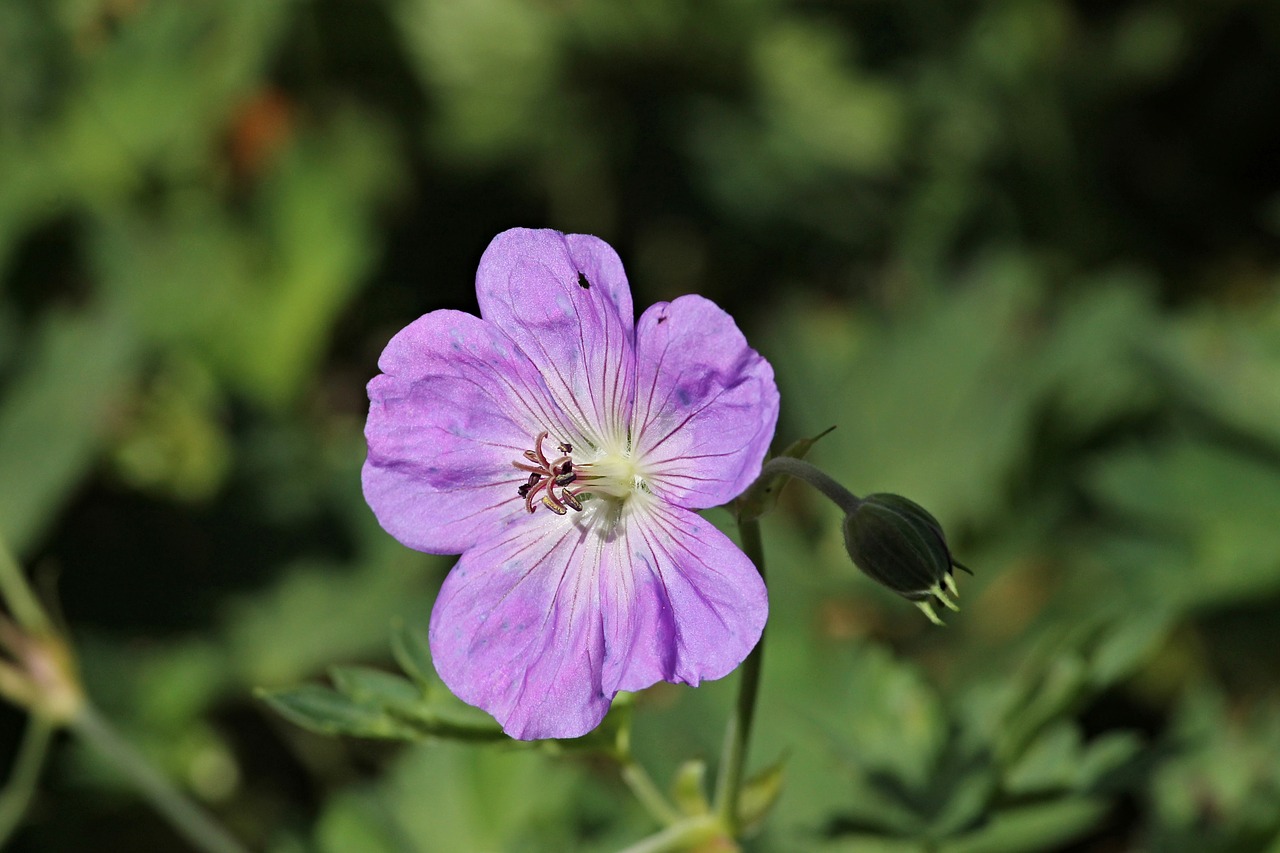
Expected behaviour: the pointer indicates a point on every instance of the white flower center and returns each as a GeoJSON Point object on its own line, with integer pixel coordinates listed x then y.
{"type": "Point", "coordinates": [561, 484]}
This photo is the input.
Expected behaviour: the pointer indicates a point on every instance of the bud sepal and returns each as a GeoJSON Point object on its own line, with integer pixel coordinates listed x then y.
{"type": "Point", "coordinates": [899, 544]}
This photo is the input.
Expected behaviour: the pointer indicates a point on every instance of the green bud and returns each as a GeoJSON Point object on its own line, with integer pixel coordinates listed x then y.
{"type": "Point", "coordinates": [897, 542]}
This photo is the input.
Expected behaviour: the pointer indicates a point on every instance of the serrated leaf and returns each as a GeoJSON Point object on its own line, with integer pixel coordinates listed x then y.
{"type": "Point", "coordinates": [1058, 686]}
{"type": "Point", "coordinates": [412, 652]}
{"type": "Point", "coordinates": [1106, 758]}
{"type": "Point", "coordinates": [367, 686]}
{"type": "Point", "coordinates": [327, 711]}
{"type": "Point", "coordinates": [1130, 642]}
{"type": "Point", "coordinates": [1040, 827]}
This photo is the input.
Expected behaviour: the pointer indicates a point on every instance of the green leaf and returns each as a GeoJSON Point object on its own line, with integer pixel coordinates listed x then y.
{"type": "Point", "coordinates": [412, 652]}
{"type": "Point", "coordinates": [759, 794]}
{"type": "Point", "coordinates": [54, 413]}
{"type": "Point", "coordinates": [1038, 827]}
{"type": "Point", "coordinates": [689, 789]}
{"type": "Point", "coordinates": [1217, 504]}
{"type": "Point", "coordinates": [368, 686]}
{"type": "Point", "coordinates": [327, 711]}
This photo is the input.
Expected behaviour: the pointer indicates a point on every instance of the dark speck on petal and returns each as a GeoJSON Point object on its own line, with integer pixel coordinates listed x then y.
{"type": "Point", "coordinates": [582, 281]}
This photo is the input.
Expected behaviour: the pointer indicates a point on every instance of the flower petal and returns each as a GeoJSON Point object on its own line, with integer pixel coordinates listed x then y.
{"type": "Point", "coordinates": [681, 602]}
{"type": "Point", "coordinates": [516, 630]}
{"type": "Point", "coordinates": [706, 403]}
{"type": "Point", "coordinates": [565, 300]}
{"type": "Point", "coordinates": [456, 404]}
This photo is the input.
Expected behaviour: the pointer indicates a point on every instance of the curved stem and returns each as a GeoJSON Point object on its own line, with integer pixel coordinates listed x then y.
{"type": "Point", "coordinates": [641, 784]}
{"type": "Point", "coordinates": [18, 595]}
{"type": "Point", "coordinates": [802, 470]}
{"type": "Point", "coordinates": [738, 733]}
{"type": "Point", "coordinates": [26, 774]}
{"type": "Point", "coordinates": [191, 821]}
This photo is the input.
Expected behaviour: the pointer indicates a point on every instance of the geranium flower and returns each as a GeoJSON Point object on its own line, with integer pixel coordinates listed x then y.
{"type": "Point", "coordinates": [562, 449]}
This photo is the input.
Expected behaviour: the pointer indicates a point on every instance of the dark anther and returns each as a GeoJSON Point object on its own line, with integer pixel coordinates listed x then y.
{"type": "Point", "coordinates": [571, 500]}
{"type": "Point", "coordinates": [583, 283]}
{"type": "Point", "coordinates": [525, 487]}
{"type": "Point", "coordinates": [566, 447]}
{"type": "Point", "coordinates": [551, 504]}
{"type": "Point", "coordinates": [532, 457]}
{"type": "Point", "coordinates": [566, 478]}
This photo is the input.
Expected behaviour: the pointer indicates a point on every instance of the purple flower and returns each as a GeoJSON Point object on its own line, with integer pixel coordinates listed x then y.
{"type": "Point", "coordinates": [562, 450]}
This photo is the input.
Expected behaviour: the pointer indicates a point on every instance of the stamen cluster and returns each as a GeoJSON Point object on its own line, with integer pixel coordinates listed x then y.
{"type": "Point", "coordinates": [545, 475]}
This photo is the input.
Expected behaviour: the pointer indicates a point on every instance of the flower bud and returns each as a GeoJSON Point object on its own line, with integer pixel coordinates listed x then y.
{"type": "Point", "coordinates": [898, 543]}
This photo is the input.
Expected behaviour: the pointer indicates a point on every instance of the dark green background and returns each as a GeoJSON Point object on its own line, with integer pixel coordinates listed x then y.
{"type": "Point", "coordinates": [1023, 254]}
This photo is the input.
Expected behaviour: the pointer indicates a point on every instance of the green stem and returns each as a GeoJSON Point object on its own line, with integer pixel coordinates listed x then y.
{"type": "Point", "coordinates": [815, 477]}
{"type": "Point", "coordinates": [26, 774]}
{"type": "Point", "coordinates": [18, 595]}
{"type": "Point", "coordinates": [738, 733]}
{"type": "Point", "coordinates": [641, 784]}
{"type": "Point", "coordinates": [191, 821]}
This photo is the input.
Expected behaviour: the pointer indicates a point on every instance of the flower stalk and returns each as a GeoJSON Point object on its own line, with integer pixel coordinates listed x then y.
{"type": "Point", "coordinates": [738, 733]}
{"type": "Point", "coordinates": [644, 789]}
{"type": "Point", "coordinates": [41, 675]}
{"type": "Point", "coordinates": [801, 470]}
{"type": "Point", "coordinates": [892, 539]}
{"type": "Point", "coordinates": [191, 821]}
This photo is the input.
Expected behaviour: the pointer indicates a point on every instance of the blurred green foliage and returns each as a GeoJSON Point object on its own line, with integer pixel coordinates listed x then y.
{"type": "Point", "coordinates": [1023, 253]}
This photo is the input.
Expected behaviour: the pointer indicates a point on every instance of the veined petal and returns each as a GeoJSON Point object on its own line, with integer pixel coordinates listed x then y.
{"type": "Point", "coordinates": [706, 403]}
{"type": "Point", "coordinates": [456, 403]}
{"type": "Point", "coordinates": [516, 630]}
{"type": "Point", "coordinates": [565, 300]}
{"type": "Point", "coordinates": [681, 603]}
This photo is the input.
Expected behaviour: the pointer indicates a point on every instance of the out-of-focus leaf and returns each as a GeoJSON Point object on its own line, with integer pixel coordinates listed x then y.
{"type": "Point", "coordinates": [350, 826]}
{"type": "Point", "coordinates": [491, 65]}
{"type": "Point", "coordinates": [821, 111]}
{"type": "Point", "coordinates": [1227, 365]}
{"type": "Point", "coordinates": [316, 614]}
{"type": "Point", "coordinates": [171, 441]}
{"type": "Point", "coordinates": [1059, 762]}
{"type": "Point", "coordinates": [1220, 505]}
{"type": "Point", "coordinates": [54, 414]}
{"type": "Point", "coordinates": [449, 797]}
{"type": "Point", "coordinates": [369, 686]}
{"type": "Point", "coordinates": [327, 711]}
{"type": "Point", "coordinates": [759, 795]}
{"type": "Point", "coordinates": [317, 218]}
{"type": "Point", "coordinates": [934, 406]}
{"type": "Point", "coordinates": [410, 648]}
{"type": "Point", "coordinates": [1217, 791]}
{"type": "Point", "coordinates": [689, 788]}
{"type": "Point", "coordinates": [1031, 828]}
